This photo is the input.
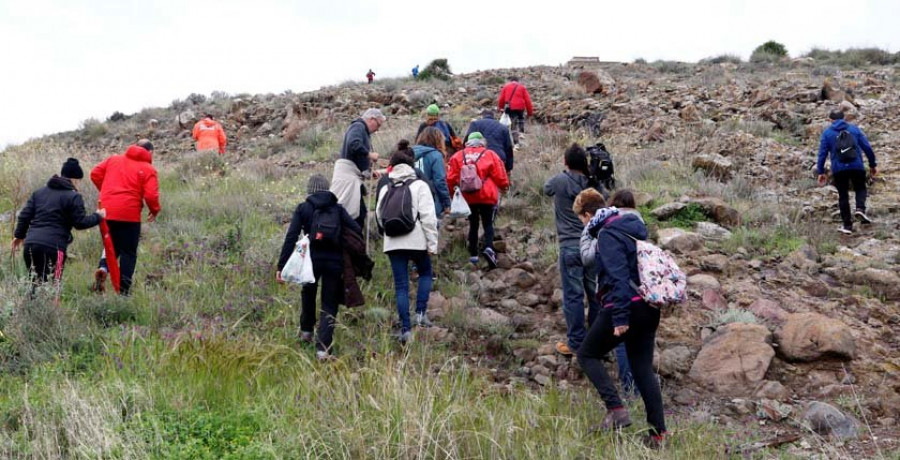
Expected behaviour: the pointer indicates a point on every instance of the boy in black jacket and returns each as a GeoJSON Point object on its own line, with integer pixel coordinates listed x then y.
{"type": "Point", "coordinates": [322, 218]}
{"type": "Point", "coordinates": [45, 223]}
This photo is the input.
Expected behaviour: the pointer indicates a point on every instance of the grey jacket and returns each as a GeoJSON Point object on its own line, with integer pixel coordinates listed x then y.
{"type": "Point", "coordinates": [564, 187]}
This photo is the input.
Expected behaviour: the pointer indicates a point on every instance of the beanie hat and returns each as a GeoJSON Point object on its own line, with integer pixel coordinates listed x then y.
{"type": "Point", "coordinates": [433, 110]}
{"type": "Point", "coordinates": [836, 114]}
{"type": "Point", "coordinates": [475, 135]}
{"type": "Point", "coordinates": [317, 183]}
{"type": "Point", "coordinates": [475, 139]}
{"type": "Point", "coordinates": [71, 169]}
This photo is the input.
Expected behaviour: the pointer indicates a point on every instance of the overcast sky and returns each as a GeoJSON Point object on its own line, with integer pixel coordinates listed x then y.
{"type": "Point", "coordinates": [64, 61]}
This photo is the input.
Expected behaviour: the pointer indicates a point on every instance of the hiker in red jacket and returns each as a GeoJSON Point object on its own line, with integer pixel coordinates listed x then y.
{"type": "Point", "coordinates": [515, 101]}
{"type": "Point", "coordinates": [209, 135]}
{"type": "Point", "coordinates": [370, 76]}
{"type": "Point", "coordinates": [126, 182]}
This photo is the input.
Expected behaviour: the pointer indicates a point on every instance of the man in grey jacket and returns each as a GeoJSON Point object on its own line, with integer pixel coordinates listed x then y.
{"type": "Point", "coordinates": [577, 280]}
{"type": "Point", "coordinates": [357, 147]}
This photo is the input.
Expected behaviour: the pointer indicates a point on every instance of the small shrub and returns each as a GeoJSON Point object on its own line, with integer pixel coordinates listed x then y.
{"type": "Point", "coordinates": [93, 129]}
{"type": "Point", "coordinates": [117, 116]}
{"type": "Point", "coordinates": [110, 311]}
{"type": "Point", "coordinates": [734, 315]}
{"type": "Point", "coordinates": [640, 61]}
{"type": "Point", "coordinates": [438, 68]}
{"type": "Point", "coordinates": [676, 67]}
{"type": "Point", "coordinates": [195, 98]}
{"type": "Point", "coordinates": [769, 51]}
{"type": "Point", "coordinates": [687, 217]}
{"type": "Point", "coordinates": [723, 59]}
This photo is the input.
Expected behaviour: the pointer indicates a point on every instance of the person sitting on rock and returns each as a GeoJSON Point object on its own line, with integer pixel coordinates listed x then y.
{"type": "Point", "coordinates": [484, 201]}
{"type": "Point", "coordinates": [209, 135]}
{"type": "Point", "coordinates": [433, 118]}
{"type": "Point", "coordinates": [625, 317]}
{"type": "Point", "coordinates": [497, 136]}
{"type": "Point", "coordinates": [846, 167]}
{"type": "Point", "coordinates": [577, 281]}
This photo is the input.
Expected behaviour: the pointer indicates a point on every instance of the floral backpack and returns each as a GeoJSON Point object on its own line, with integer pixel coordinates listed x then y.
{"type": "Point", "coordinates": [662, 282]}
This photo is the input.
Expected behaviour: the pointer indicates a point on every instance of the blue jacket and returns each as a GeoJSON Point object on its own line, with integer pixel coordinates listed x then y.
{"type": "Point", "coordinates": [617, 270]}
{"type": "Point", "coordinates": [446, 130]}
{"type": "Point", "coordinates": [431, 162]}
{"type": "Point", "coordinates": [497, 137]}
{"type": "Point", "coordinates": [826, 145]}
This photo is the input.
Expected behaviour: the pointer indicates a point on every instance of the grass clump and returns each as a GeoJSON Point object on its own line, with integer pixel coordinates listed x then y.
{"type": "Point", "coordinates": [777, 241]}
{"type": "Point", "coordinates": [437, 69]}
{"type": "Point", "coordinates": [723, 59]}
{"type": "Point", "coordinates": [734, 315]}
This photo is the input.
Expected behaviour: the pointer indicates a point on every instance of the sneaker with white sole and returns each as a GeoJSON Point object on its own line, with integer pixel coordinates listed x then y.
{"type": "Point", "coordinates": [491, 257]}
{"type": "Point", "coordinates": [405, 337]}
{"type": "Point", "coordinates": [422, 320]}
{"type": "Point", "coordinates": [846, 230]}
{"type": "Point", "coordinates": [473, 260]}
{"type": "Point", "coordinates": [323, 356]}
{"type": "Point", "coordinates": [862, 217]}
{"type": "Point", "coordinates": [306, 336]}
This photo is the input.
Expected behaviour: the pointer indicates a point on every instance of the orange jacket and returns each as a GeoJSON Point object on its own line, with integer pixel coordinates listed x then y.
{"type": "Point", "coordinates": [209, 135]}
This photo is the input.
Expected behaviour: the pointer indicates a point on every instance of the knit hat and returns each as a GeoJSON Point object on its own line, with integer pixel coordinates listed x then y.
{"type": "Point", "coordinates": [317, 183]}
{"type": "Point", "coordinates": [475, 135]}
{"type": "Point", "coordinates": [432, 110]}
{"type": "Point", "coordinates": [836, 114]}
{"type": "Point", "coordinates": [71, 169]}
{"type": "Point", "coordinates": [475, 139]}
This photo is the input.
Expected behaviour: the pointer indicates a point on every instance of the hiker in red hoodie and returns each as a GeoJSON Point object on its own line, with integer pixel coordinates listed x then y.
{"type": "Point", "coordinates": [482, 194]}
{"type": "Point", "coordinates": [126, 182]}
{"type": "Point", "coordinates": [209, 135]}
{"type": "Point", "coordinates": [515, 101]}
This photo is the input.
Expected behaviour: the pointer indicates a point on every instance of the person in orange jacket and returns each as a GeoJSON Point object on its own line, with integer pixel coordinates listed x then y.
{"type": "Point", "coordinates": [209, 135]}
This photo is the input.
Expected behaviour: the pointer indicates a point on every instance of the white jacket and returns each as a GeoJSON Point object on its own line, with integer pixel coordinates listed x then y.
{"type": "Point", "coordinates": [425, 235]}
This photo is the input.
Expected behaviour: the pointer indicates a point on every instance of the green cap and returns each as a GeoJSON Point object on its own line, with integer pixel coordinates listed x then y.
{"type": "Point", "coordinates": [433, 109]}
{"type": "Point", "coordinates": [475, 135]}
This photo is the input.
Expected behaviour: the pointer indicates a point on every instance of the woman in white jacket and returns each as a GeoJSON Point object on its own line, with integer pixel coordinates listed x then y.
{"type": "Point", "coordinates": [416, 245]}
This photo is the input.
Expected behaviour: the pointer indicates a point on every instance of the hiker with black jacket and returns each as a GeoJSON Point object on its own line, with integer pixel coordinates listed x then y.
{"type": "Point", "coordinates": [624, 317]}
{"type": "Point", "coordinates": [496, 135]}
{"type": "Point", "coordinates": [45, 223]}
{"type": "Point", "coordinates": [406, 212]}
{"type": "Point", "coordinates": [845, 143]}
{"type": "Point", "coordinates": [322, 219]}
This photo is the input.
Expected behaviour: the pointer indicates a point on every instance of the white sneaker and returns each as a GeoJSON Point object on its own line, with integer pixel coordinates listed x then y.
{"type": "Point", "coordinates": [845, 230]}
{"type": "Point", "coordinates": [862, 217]}
{"type": "Point", "coordinates": [324, 356]}
{"type": "Point", "coordinates": [422, 320]}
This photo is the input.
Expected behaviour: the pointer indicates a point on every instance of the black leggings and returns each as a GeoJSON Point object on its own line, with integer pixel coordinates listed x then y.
{"type": "Point", "coordinates": [330, 275]}
{"type": "Point", "coordinates": [842, 181]}
{"type": "Point", "coordinates": [639, 342]}
{"type": "Point", "coordinates": [43, 262]}
{"type": "Point", "coordinates": [485, 214]}
{"type": "Point", "coordinates": [125, 237]}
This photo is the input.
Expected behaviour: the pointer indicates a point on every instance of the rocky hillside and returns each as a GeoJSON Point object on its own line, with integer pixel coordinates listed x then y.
{"type": "Point", "coordinates": [788, 326]}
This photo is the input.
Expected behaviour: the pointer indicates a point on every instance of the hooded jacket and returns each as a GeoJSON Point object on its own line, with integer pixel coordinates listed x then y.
{"type": "Point", "coordinates": [51, 213]}
{"type": "Point", "coordinates": [616, 262]}
{"type": "Point", "coordinates": [302, 221]}
{"type": "Point", "coordinates": [424, 237]}
{"type": "Point", "coordinates": [827, 142]}
{"type": "Point", "coordinates": [497, 136]}
{"type": "Point", "coordinates": [431, 162]}
{"type": "Point", "coordinates": [209, 135]}
{"type": "Point", "coordinates": [517, 96]}
{"type": "Point", "coordinates": [126, 182]}
{"type": "Point", "coordinates": [490, 169]}
{"type": "Point", "coordinates": [563, 188]}
{"type": "Point", "coordinates": [357, 144]}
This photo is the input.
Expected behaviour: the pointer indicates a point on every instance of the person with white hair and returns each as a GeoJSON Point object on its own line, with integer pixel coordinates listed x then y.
{"type": "Point", "coordinates": [355, 163]}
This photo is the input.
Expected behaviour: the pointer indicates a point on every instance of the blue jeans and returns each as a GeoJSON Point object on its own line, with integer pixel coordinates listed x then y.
{"type": "Point", "coordinates": [400, 260]}
{"type": "Point", "coordinates": [577, 281]}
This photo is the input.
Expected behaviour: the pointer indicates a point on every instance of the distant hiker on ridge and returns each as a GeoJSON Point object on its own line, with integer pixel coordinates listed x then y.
{"type": "Point", "coordinates": [843, 141]}
{"type": "Point", "coordinates": [356, 163]}
{"type": "Point", "coordinates": [209, 135]}
{"type": "Point", "coordinates": [497, 137]}
{"type": "Point", "coordinates": [515, 101]}
{"type": "Point", "coordinates": [45, 223]}
{"type": "Point", "coordinates": [415, 72]}
{"type": "Point", "coordinates": [370, 76]}
{"type": "Point", "coordinates": [126, 182]}
{"type": "Point", "coordinates": [433, 118]}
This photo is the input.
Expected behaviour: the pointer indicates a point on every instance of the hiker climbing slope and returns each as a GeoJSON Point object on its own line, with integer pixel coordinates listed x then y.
{"type": "Point", "coordinates": [209, 135]}
{"type": "Point", "coordinates": [515, 101]}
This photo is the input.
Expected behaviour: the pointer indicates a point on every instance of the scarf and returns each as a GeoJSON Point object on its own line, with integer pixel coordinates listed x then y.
{"type": "Point", "coordinates": [600, 218]}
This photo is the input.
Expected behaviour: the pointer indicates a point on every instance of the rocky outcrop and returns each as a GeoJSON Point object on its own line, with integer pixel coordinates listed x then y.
{"type": "Point", "coordinates": [734, 360]}
{"type": "Point", "coordinates": [811, 336]}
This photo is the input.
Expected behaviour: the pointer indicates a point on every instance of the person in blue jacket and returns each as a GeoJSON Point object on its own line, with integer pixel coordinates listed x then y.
{"type": "Point", "coordinates": [433, 119]}
{"type": "Point", "coordinates": [845, 173]}
{"type": "Point", "coordinates": [415, 71]}
{"type": "Point", "coordinates": [497, 136]}
{"type": "Point", "coordinates": [429, 155]}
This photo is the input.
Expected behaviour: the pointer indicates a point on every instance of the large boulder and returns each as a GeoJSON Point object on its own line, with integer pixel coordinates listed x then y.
{"type": "Point", "coordinates": [828, 420]}
{"type": "Point", "coordinates": [675, 361]}
{"type": "Point", "coordinates": [719, 211]}
{"type": "Point", "coordinates": [596, 82]}
{"type": "Point", "coordinates": [711, 231]}
{"type": "Point", "coordinates": [811, 336]}
{"type": "Point", "coordinates": [667, 210]}
{"type": "Point", "coordinates": [186, 119]}
{"type": "Point", "coordinates": [714, 165]}
{"type": "Point", "coordinates": [734, 359]}
{"type": "Point", "coordinates": [680, 241]}
{"type": "Point", "coordinates": [884, 282]}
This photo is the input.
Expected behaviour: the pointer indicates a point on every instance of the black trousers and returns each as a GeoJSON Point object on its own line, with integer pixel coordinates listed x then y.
{"type": "Point", "coordinates": [639, 342]}
{"type": "Point", "coordinates": [125, 237]}
{"type": "Point", "coordinates": [517, 117]}
{"type": "Point", "coordinates": [363, 210]}
{"type": "Point", "coordinates": [485, 214]}
{"type": "Point", "coordinates": [43, 262]}
{"type": "Point", "coordinates": [330, 275]}
{"type": "Point", "coordinates": [843, 180]}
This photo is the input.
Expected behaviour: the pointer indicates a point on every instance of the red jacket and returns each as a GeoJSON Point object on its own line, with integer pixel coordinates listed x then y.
{"type": "Point", "coordinates": [125, 183]}
{"type": "Point", "coordinates": [490, 169]}
{"type": "Point", "coordinates": [517, 95]}
{"type": "Point", "coordinates": [209, 135]}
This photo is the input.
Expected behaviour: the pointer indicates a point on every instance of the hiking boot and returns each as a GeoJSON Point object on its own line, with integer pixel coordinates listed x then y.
{"type": "Point", "coordinates": [862, 217]}
{"type": "Point", "coordinates": [491, 257]}
{"type": "Point", "coordinates": [615, 419]}
{"type": "Point", "coordinates": [405, 337]}
{"type": "Point", "coordinates": [655, 441]}
{"type": "Point", "coordinates": [422, 320]}
{"type": "Point", "coordinates": [846, 230]}
{"type": "Point", "coordinates": [563, 349]}
{"type": "Point", "coordinates": [306, 336]}
{"type": "Point", "coordinates": [99, 284]}
{"type": "Point", "coordinates": [473, 260]}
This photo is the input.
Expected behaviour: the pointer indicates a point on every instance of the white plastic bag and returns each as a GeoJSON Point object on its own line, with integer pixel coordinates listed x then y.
{"type": "Point", "coordinates": [299, 268]}
{"type": "Point", "coordinates": [504, 120]}
{"type": "Point", "coordinates": [458, 207]}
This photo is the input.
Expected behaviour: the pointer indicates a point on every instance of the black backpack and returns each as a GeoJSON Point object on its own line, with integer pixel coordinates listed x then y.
{"type": "Point", "coordinates": [601, 172]}
{"type": "Point", "coordinates": [396, 209]}
{"type": "Point", "coordinates": [325, 228]}
{"type": "Point", "coordinates": [845, 149]}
